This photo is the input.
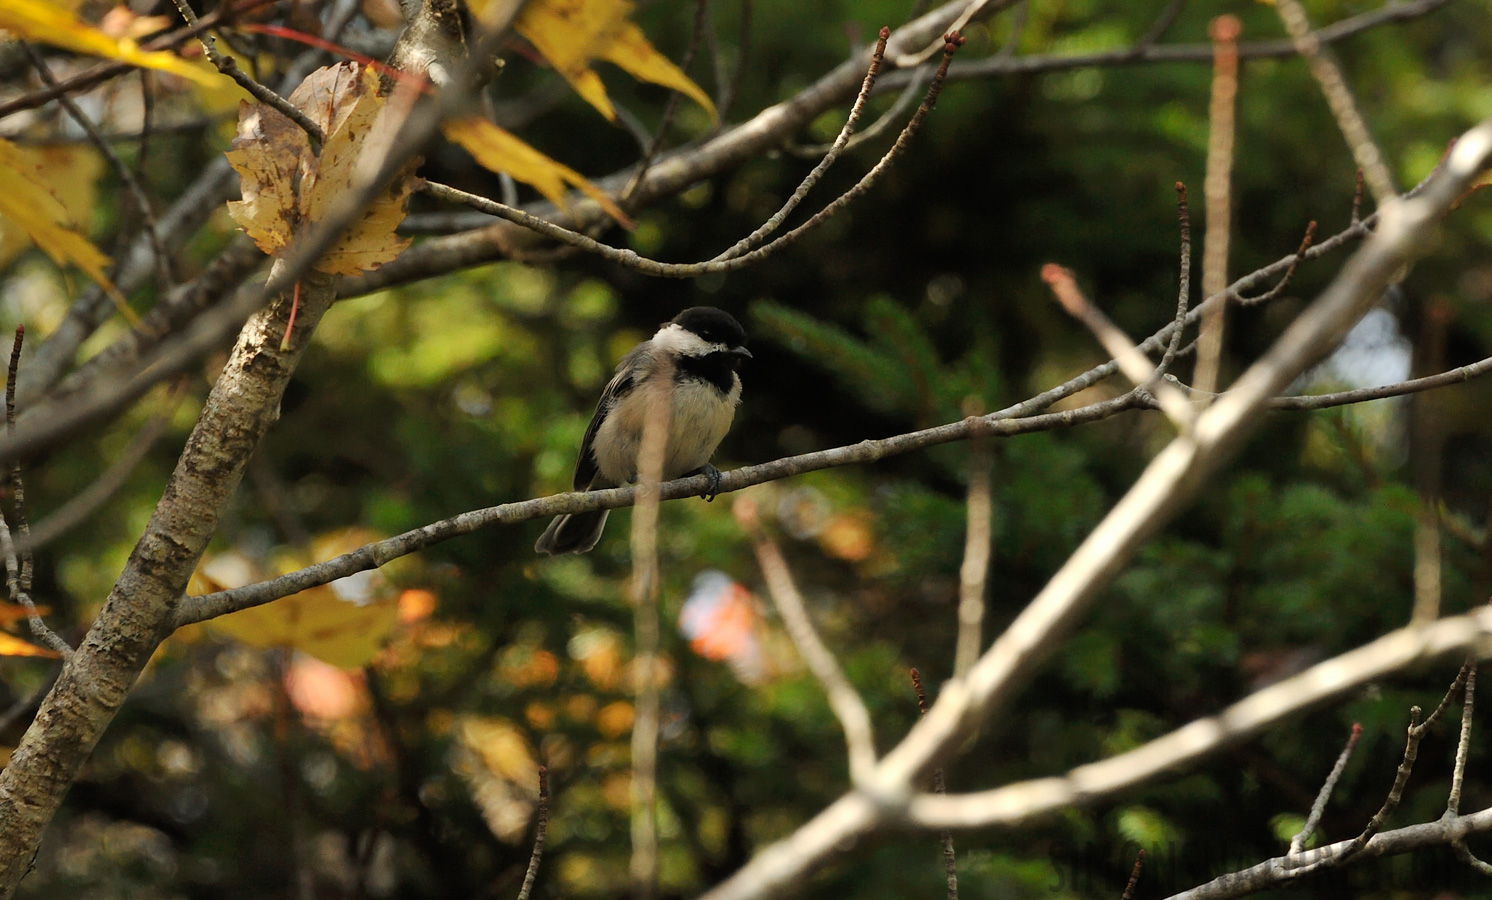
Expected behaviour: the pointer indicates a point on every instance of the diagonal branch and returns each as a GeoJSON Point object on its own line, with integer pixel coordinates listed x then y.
{"type": "Point", "coordinates": [848, 707]}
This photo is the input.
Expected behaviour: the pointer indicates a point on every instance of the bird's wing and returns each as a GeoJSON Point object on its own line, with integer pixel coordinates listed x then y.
{"type": "Point", "coordinates": [622, 382]}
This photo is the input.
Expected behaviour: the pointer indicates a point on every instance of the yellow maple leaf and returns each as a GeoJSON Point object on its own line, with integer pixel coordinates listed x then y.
{"type": "Point", "coordinates": [10, 645]}
{"type": "Point", "coordinates": [344, 623]}
{"type": "Point", "coordinates": [316, 622]}
{"type": "Point", "coordinates": [50, 23]}
{"type": "Point", "coordinates": [27, 202]}
{"type": "Point", "coordinates": [499, 151]}
{"type": "Point", "coordinates": [570, 34]}
{"type": "Point", "coordinates": [631, 51]}
{"type": "Point", "coordinates": [70, 173]}
{"type": "Point", "coordinates": [285, 185]}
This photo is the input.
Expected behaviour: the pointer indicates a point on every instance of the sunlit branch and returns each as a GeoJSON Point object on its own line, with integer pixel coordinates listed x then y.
{"type": "Point", "coordinates": [1027, 801]}
{"type": "Point", "coordinates": [848, 707]}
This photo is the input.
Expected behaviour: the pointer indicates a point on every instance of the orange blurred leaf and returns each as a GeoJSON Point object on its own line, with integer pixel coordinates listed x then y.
{"type": "Point", "coordinates": [51, 23]}
{"type": "Point", "coordinates": [10, 645]}
{"type": "Point", "coordinates": [11, 613]}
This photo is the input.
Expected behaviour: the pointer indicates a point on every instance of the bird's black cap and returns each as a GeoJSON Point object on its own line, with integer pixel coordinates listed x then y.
{"type": "Point", "coordinates": [714, 325]}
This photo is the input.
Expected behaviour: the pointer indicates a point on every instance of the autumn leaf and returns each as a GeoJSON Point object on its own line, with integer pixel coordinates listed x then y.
{"type": "Point", "coordinates": [499, 151]}
{"type": "Point", "coordinates": [11, 613]}
{"type": "Point", "coordinates": [571, 34]}
{"type": "Point", "coordinates": [10, 645]}
{"type": "Point", "coordinates": [49, 23]}
{"type": "Point", "coordinates": [284, 185]}
{"type": "Point", "coordinates": [316, 622]}
{"type": "Point", "coordinates": [344, 623]}
{"type": "Point", "coordinates": [28, 202]}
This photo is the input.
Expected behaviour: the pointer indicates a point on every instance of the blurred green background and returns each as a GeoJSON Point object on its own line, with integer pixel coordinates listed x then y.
{"type": "Point", "coordinates": [236, 771]}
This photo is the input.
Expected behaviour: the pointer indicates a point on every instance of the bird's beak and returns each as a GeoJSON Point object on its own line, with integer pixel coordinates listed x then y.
{"type": "Point", "coordinates": [739, 351]}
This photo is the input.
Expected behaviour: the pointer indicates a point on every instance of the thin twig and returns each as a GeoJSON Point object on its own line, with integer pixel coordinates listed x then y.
{"type": "Point", "coordinates": [539, 830]}
{"type": "Point", "coordinates": [18, 572]}
{"type": "Point", "coordinates": [1012, 41]}
{"type": "Point", "coordinates": [1183, 292]}
{"type": "Point", "coordinates": [881, 125]}
{"type": "Point", "coordinates": [1295, 261]}
{"type": "Point", "coordinates": [1134, 874]}
{"type": "Point", "coordinates": [696, 35]}
{"type": "Point", "coordinates": [1132, 361]}
{"type": "Point", "coordinates": [853, 717]}
{"type": "Point", "coordinates": [940, 786]}
{"type": "Point", "coordinates": [629, 259]}
{"type": "Point", "coordinates": [228, 66]}
{"type": "Point", "coordinates": [876, 57]}
{"type": "Point", "coordinates": [1357, 198]}
{"type": "Point", "coordinates": [1137, 54]}
{"type": "Point", "coordinates": [1217, 188]}
{"type": "Point", "coordinates": [1417, 731]}
{"type": "Point", "coordinates": [1339, 97]}
{"type": "Point", "coordinates": [83, 504]}
{"type": "Point", "coordinates": [730, 90]}
{"type": "Point", "coordinates": [131, 184]}
{"type": "Point", "coordinates": [971, 9]}
{"type": "Point", "coordinates": [1318, 808]}
{"type": "Point", "coordinates": [1162, 23]}
{"type": "Point", "coordinates": [1463, 745]}
{"type": "Point", "coordinates": [1009, 422]}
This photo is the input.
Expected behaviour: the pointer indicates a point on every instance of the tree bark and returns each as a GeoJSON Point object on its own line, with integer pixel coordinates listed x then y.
{"type": "Point", "coordinates": [137, 616]}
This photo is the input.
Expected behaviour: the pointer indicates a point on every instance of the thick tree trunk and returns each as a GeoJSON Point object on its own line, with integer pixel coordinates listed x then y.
{"type": "Point", "coordinates": [135, 619]}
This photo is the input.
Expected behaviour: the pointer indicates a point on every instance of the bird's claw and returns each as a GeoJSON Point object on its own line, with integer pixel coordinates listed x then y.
{"type": "Point", "coordinates": [712, 473]}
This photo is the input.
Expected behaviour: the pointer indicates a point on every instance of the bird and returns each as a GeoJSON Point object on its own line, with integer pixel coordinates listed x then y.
{"type": "Point", "coordinates": [690, 363]}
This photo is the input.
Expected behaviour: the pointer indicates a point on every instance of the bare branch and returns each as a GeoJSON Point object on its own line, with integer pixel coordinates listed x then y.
{"type": "Point", "coordinates": [840, 142]}
{"type": "Point", "coordinates": [126, 177]}
{"type": "Point", "coordinates": [940, 786]}
{"type": "Point", "coordinates": [1184, 290]}
{"type": "Point", "coordinates": [631, 260]}
{"type": "Point", "coordinates": [1170, 480]}
{"type": "Point", "coordinates": [1134, 874]}
{"type": "Point", "coordinates": [1284, 282]}
{"type": "Point", "coordinates": [1463, 746]}
{"type": "Point", "coordinates": [1142, 54]}
{"type": "Point", "coordinates": [1339, 98]}
{"type": "Point", "coordinates": [540, 828]}
{"type": "Point", "coordinates": [1282, 869]}
{"type": "Point", "coordinates": [1024, 802]}
{"type": "Point", "coordinates": [843, 698]}
{"type": "Point", "coordinates": [1217, 189]}
{"type": "Point", "coordinates": [18, 572]}
{"type": "Point", "coordinates": [371, 556]}
{"type": "Point", "coordinates": [974, 572]}
{"type": "Point", "coordinates": [1135, 365]}
{"type": "Point", "coordinates": [1318, 808]}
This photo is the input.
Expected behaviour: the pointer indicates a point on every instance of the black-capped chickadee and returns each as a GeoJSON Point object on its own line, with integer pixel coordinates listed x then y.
{"type": "Point", "coordinates": [699, 350]}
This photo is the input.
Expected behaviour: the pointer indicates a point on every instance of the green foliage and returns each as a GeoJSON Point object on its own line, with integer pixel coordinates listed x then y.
{"type": "Point", "coordinates": [919, 302]}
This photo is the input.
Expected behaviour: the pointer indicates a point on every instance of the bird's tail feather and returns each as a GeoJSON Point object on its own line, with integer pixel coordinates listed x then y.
{"type": "Point", "coordinates": [572, 533]}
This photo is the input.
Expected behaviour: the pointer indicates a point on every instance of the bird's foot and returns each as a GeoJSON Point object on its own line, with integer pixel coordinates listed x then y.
{"type": "Point", "coordinates": [712, 473]}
